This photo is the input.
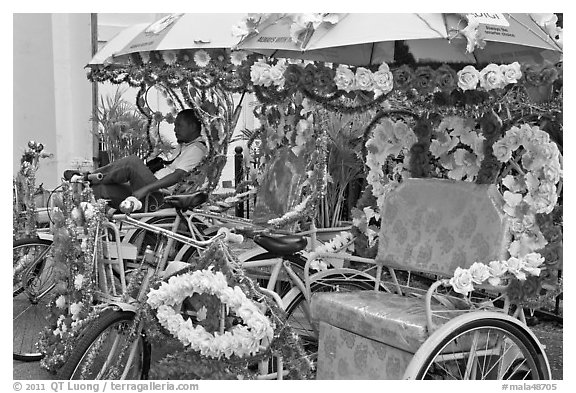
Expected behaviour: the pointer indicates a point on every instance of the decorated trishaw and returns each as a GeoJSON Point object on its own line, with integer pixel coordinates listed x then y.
{"type": "Point", "coordinates": [455, 233]}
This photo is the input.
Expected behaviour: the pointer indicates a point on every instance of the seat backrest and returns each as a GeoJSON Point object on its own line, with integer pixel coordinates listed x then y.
{"type": "Point", "coordinates": [436, 225]}
{"type": "Point", "coordinates": [279, 192]}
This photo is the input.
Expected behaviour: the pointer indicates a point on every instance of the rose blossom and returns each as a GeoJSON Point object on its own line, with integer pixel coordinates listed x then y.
{"type": "Point", "coordinates": [462, 281]}
{"type": "Point", "coordinates": [277, 73]}
{"type": "Point", "coordinates": [496, 269]}
{"type": "Point", "coordinates": [515, 266]}
{"type": "Point", "coordinates": [383, 80]}
{"type": "Point", "coordinates": [502, 151]}
{"type": "Point", "coordinates": [532, 262]}
{"type": "Point", "coordinates": [511, 72]}
{"type": "Point", "coordinates": [491, 77]}
{"type": "Point", "coordinates": [403, 77]}
{"type": "Point", "coordinates": [260, 73]}
{"type": "Point", "coordinates": [468, 78]}
{"type": "Point", "coordinates": [479, 272]}
{"type": "Point", "coordinates": [344, 78]}
{"type": "Point", "coordinates": [364, 79]}
{"type": "Point", "coordinates": [513, 138]}
{"type": "Point", "coordinates": [445, 78]}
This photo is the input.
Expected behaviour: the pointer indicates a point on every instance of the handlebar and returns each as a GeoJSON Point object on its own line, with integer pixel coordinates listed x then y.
{"type": "Point", "coordinates": [86, 177]}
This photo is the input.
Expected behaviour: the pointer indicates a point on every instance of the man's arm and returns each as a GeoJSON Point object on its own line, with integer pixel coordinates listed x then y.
{"type": "Point", "coordinates": [166, 181]}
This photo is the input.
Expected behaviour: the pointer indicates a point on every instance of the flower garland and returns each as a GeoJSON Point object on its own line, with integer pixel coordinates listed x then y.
{"type": "Point", "coordinates": [336, 87]}
{"type": "Point", "coordinates": [344, 241]}
{"type": "Point", "coordinates": [76, 226]}
{"type": "Point", "coordinates": [496, 273]}
{"type": "Point", "coordinates": [240, 340]}
{"type": "Point", "coordinates": [25, 186]}
{"type": "Point", "coordinates": [218, 259]}
{"type": "Point", "coordinates": [532, 191]}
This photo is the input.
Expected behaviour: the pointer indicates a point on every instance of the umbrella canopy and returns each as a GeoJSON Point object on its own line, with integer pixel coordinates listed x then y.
{"type": "Point", "coordinates": [118, 42]}
{"type": "Point", "coordinates": [363, 39]}
{"type": "Point", "coordinates": [172, 32]}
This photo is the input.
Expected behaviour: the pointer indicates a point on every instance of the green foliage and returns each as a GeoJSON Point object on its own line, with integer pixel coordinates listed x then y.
{"type": "Point", "coordinates": [345, 143]}
{"type": "Point", "coordinates": [122, 127]}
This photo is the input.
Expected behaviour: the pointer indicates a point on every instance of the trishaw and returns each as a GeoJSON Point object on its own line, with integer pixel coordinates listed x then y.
{"type": "Point", "coordinates": [450, 241]}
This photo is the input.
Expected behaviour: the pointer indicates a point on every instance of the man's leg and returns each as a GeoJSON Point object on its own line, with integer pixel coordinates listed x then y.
{"type": "Point", "coordinates": [128, 169]}
{"type": "Point", "coordinates": [115, 193]}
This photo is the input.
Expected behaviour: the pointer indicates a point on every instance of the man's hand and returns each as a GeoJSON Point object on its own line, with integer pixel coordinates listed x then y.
{"type": "Point", "coordinates": [164, 182]}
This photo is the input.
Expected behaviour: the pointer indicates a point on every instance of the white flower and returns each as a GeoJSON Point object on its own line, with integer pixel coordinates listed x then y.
{"type": "Point", "coordinates": [513, 138]}
{"type": "Point", "coordinates": [383, 80]}
{"type": "Point", "coordinates": [363, 79]}
{"type": "Point", "coordinates": [532, 262]}
{"type": "Point", "coordinates": [511, 72]}
{"type": "Point", "coordinates": [468, 78]}
{"type": "Point", "coordinates": [344, 78]}
{"type": "Point", "coordinates": [277, 73]}
{"type": "Point", "coordinates": [552, 171]}
{"type": "Point", "coordinates": [76, 214]}
{"type": "Point", "coordinates": [260, 73]}
{"type": "Point", "coordinates": [479, 272]}
{"type": "Point", "coordinates": [501, 150]}
{"type": "Point", "coordinates": [201, 58]}
{"type": "Point", "coordinates": [201, 315]}
{"type": "Point", "coordinates": [61, 302]}
{"type": "Point", "coordinates": [497, 269]}
{"type": "Point", "coordinates": [88, 210]}
{"type": "Point", "coordinates": [240, 29]}
{"type": "Point", "coordinates": [491, 77]}
{"type": "Point", "coordinates": [78, 281]}
{"type": "Point", "coordinates": [238, 57]}
{"type": "Point", "coordinates": [75, 309]}
{"type": "Point", "coordinates": [462, 281]}
{"type": "Point", "coordinates": [516, 266]}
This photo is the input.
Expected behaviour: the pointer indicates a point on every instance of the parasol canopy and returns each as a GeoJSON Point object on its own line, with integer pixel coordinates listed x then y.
{"type": "Point", "coordinates": [364, 39]}
{"type": "Point", "coordinates": [172, 32]}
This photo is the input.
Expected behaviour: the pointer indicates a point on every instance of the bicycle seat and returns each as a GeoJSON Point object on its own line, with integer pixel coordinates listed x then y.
{"type": "Point", "coordinates": [186, 202]}
{"type": "Point", "coordinates": [281, 244]}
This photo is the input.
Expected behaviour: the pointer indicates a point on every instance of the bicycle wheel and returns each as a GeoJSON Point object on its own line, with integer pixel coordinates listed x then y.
{"type": "Point", "coordinates": [33, 282]}
{"type": "Point", "coordinates": [484, 348]}
{"type": "Point", "coordinates": [98, 352]}
{"type": "Point", "coordinates": [298, 311]}
{"type": "Point", "coordinates": [262, 274]}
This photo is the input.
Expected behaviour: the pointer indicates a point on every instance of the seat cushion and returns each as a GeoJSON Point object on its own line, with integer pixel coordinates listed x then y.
{"type": "Point", "coordinates": [398, 321]}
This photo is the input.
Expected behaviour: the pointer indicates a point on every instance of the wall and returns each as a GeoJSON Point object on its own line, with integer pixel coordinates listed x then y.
{"type": "Point", "coordinates": [51, 95]}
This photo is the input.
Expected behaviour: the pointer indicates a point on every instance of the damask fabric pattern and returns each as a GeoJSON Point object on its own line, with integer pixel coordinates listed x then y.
{"type": "Point", "coordinates": [394, 320]}
{"type": "Point", "coordinates": [437, 225]}
{"type": "Point", "coordinates": [345, 355]}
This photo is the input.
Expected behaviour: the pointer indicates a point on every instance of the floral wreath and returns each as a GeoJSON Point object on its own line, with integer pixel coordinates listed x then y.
{"type": "Point", "coordinates": [532, 191]}
{"type": "Point", "coordinates": [240, 340]}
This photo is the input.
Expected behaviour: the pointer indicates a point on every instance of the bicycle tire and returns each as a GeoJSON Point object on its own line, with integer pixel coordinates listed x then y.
{"type": "Point", "coordinates": [104, 330]}
{"type": "Point", "coordinates": [447, 356]}
{"type": "Point", "coordinates": [32, 285]}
